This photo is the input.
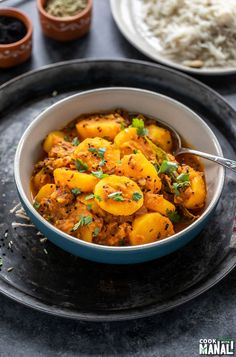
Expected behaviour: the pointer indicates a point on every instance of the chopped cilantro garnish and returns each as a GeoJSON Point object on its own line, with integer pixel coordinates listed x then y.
{"type": "Point", "coordinates": [102, 162]}
{"type": "Point", "coordinates": [116, 196]}
{"type": "Point", "coordinates": [96, 232]}
{"type": "Point", "coordinates": [173, 216]}
{"type": "Point", "coordinates": [98, 198]}
{"type": "Point", "coordinates": [181, 181]}
{"type": "Point", "coordinates": [122, 125]}
{"type": "Point", "coordinates": [76, 191]}
{"type": "Point", "coordinates": [75, 141]}
{"type": "Point", "coordinates": [89, 197]}
{"type": "Point", "coordinates": [176, 188]}
{"type": "Point", "coordinates": [179, 185]}
{"type": "Point", "coordinates": [183, 177]}
{"type": "Point", "coordinates": [99, 174]}
{"type": "Point", "coordinates": [135, 151]}
{"type": "Point", "coordinates": [89, 206]}
{"type": "Point", "coordinates": [84, 221]}
{"type": "Point", "coordinates": [168, 167]}
{"type": "Point", "coordinates": [80, 165]}
{"type": "Point", "coordinates": [139, 125]}
{"type": "Point", "coordinates": [136, 196]}
{"type": "Point", "coordinates": [93, 150]}
{"type": "Point", "coordinates": [66, 138]}
{"type": "Point", "coordinates": [36, 205]}
{"type": "Point", "coordinates": [101, 152]}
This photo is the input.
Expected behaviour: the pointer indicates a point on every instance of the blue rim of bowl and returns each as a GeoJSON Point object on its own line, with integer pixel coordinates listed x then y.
{"type": "Point", "coordinates": [105, 247]}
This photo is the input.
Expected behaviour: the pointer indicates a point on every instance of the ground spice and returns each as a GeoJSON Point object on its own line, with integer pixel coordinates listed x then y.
{"type": "Point", "coordinates": [64, 8]}
{"type": "Point", "coordinates": [11, 30]}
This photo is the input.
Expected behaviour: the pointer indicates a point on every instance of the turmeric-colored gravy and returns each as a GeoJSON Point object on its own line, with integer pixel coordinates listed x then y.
{"type": "Point", "coordinates": [111, 178]}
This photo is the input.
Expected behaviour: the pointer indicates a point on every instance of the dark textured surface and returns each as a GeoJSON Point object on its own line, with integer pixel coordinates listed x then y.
{"type": "Point", "coordinates": [24, 332]}
{"type": "Point", "coordinates": [122, 292]}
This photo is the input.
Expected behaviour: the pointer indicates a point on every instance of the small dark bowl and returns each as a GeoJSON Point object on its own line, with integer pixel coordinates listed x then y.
{"type": "Point", "coordinates": [17, 52]}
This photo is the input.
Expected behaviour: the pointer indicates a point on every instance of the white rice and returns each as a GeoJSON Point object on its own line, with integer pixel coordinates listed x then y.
{"type": "Point", "coordinates": [195, 33]}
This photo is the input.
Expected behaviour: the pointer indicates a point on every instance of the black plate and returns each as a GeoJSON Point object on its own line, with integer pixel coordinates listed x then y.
{"type": "Point", "coordinates": [64, 285]}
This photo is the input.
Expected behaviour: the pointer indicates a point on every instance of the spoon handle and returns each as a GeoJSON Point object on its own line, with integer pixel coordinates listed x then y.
{"type": "Point", "coordinates": [230, 164]}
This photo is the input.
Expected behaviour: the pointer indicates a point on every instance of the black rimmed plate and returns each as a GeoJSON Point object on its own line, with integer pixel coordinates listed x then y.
{"type": "Point", "coordinates": [51, 280]}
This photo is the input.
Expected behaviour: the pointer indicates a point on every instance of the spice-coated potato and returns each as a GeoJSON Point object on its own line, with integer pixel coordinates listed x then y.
{"type": "Point", "coordinates": [149, 228]}
{"type": "Point", "coordinates": [160, 136]}
{"type": "Point", "coordinates": [128, 141]}
{"type": "Point", "coordinates": [194, 196]}
{"type": "Point", "coordinates": [92, 143]}
{"type": "Point", "coordinates": [98, 127]}
{"type": "Point", "coordinates": [45, 192]}
{"type": "Point", "coordinates": [126, 135]}
{"type": "Point", "coordinates": [158, 203]}
{"type": "Point", "coordinates": [86, 232]}
{"type": "Point", "coordinates": [74, 179]}
{"type": "Point", "coordinates": [118, 195]}
{"type": "Point", "coordinates": [89, 152]}
{"type": "Point", "coordinates": [52, 139]}
{"type": "Point", "coordinates": [136, 166]}
{"type": "Point", "coordinates": [41, 179]}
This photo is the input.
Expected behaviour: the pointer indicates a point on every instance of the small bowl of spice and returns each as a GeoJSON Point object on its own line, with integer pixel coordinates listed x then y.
{"type": "Point", "coordinates": [65, 20]}
{"type": "Point", "coordinates": [15, 37]}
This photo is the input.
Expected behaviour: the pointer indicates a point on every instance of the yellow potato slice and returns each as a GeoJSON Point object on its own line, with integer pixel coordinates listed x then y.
{"type": "Point", "coordinates": [128, 141]}
{"type": "Point", "coordinates": [92, 151]}
{"type": "Point", "coordinates": [41, 179]}
{"type": "Point", "coordinates": [52, 139]}
{"type": "Point", "coordinates": [194, 197]}
{"type": "Point", "coordinates": [118, 195]}
{"type": "Point", "coordinates": [74, 179]}
{"type": "Point", "coordinates": [136, 166]}
{"type": "Point", "coordinates": [160, 136]}
{"type": "Point", "coordinates": [86, 232]}
{"type": "Point", "coordinates": [158, 203]}
{"type": "Point", "coordinates": [104, 127]}
{"type": "Point", "coordinates": [149, 228]}
{"type": "Point", "coordinates": [45, 192]}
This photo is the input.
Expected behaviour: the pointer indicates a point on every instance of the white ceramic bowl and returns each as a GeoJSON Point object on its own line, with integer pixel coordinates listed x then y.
{"type": "Point", "coordinates": [189, 125]}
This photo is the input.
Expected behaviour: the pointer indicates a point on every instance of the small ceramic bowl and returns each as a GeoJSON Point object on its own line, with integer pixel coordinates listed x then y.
{"type": "Point", "coordinates": [185, 121]}
{"type": "Point", "coordinates": [18, 52]}
{"type": "Point", "coordinates": [65, 28]}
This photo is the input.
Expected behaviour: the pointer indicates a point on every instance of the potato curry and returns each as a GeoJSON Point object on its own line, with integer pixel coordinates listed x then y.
{"type": "Point", "coordinates": [111, 179]}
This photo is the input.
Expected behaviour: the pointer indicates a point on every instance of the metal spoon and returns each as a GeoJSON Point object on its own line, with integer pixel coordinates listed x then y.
{"type": "Point", "coordinates": [228, 163]}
